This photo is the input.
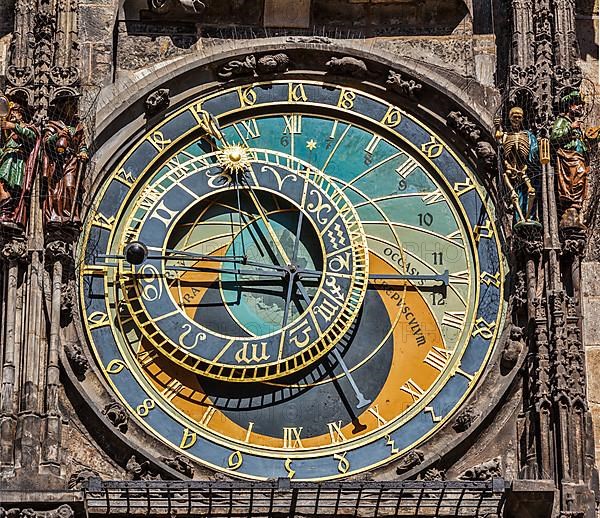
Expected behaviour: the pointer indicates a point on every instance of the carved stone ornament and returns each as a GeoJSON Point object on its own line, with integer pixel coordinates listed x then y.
{"type": "Point", "coordinates": [117, 415]}
{"type": "Point", "coordinates": [409, 461]}
{"type": "Point", "coordinates": [433, 474]}
{"type": "Point", "coordinates": [253, 66]}
{"type": "Point", "coordinates": [14, 250]}
{"type": "Point", "coordinates": [347, 66]}
{"type": "Point", "coordinates": [573, 240]}
{"type": "Point", "coordinates": [512, 349]}
{"type": "Point", "coordinates": [77, 359]}
{"type": "Point", "coordinates": [140, 471]}
{"type": "Point", "coordinates": [396, 83]}
{"type": "Point", "coordinates": [181, 464]}
{"type": "Point", "coordinates": [323, 40]}
{"type": "Point", "coordinates": [19, 76]}
{"type": "Point", "coordinates": [59, 251]}
{"type": "Point", "coordinates": [68, 296]}
{"type": "Point", "coordinates": [465, 419]}
{"type": "Point", "coordinates": [567, 78]}
{"type": "Point", "coordinates": [464, 126]}
{"type": "Point", "coordinates": [484, 471]}
{"type": "Point", "coordinates": [157, 101]}
{"type": "Point", "coordinates": [272, 63]}
{"type": "Point", "coordinates": [77, 479]}
{"type": "Point", "coordinates": [64, 76]}
{"type": "Point", "coordinates": [237, 67]}
{"type": "Point", "coordinates": [64, 511]}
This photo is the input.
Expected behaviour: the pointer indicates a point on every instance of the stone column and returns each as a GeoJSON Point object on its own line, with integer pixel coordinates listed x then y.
{"type": "Point", "coordinates": [12, 252]}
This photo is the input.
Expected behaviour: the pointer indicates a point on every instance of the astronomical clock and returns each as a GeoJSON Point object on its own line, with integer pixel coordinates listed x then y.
{"type": "Point", "coordinates": [291, 278]}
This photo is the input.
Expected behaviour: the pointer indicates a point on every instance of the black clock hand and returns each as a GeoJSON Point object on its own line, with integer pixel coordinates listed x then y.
{"type": "Point", "coordinates": [362, 401]}
{"type": "Point", "coordinates": [235, 271]}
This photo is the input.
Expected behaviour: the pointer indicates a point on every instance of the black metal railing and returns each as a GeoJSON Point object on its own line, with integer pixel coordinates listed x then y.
{"type": "Point", "coordinates": [282, 497]}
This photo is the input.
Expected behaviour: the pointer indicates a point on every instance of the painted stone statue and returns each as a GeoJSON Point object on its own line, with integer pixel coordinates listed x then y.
{"type": "Point", "coordinates": [572, 144]}
{"type": "Point", "coordinates": [519, 149]}
{"type": "Point", "coordinates": [64, 157]}
{"type": "Point", "coordinates": [19, 146]}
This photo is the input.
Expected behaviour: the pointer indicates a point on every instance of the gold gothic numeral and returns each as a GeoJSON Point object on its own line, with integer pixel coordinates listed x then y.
{"type": "Point", "coordinates": [489, 279]}
{"type": "Point", "coordinates": [247, 96]}
{"type": "Point", "coordinates": [98, 319]}
{"type": "Point", "coordinates": [296, 93]}
{"type": "Point", "coordinates": [144, 409]}
{"type": "Point", "coordinates": [115, 366]}
{"type": "Point", "coordinates": [484, 328]}
{"type": "Point", "coordinates": [158, 140]}
{"type": "Point", "coordinates": [188, 440]}
{"type": "Point", "coordinates": [235, 460]}
{"type": "Point", "coordinates": [392, 118]}
{"type": "Point", "coordinates": [249, 431]}
{"type": "Point", "coordinates": [288, 467]}
{"type": "Point", "coordinates": [125, 177]}
{"type": "Point", "coordinates": [145, 358]}
{"type": "Point", "coordinates": [346, 100]}
{"type": "Point", "coordinates": [392, 444]}
{"type": "Point", "coordinates": [434, 417]}
{"type": "Point", "coordinates": [433, 148]}
{"type": "Point", "coordinates": [462, 187]}
{"type": "Point", "coordinates": [343, 464]}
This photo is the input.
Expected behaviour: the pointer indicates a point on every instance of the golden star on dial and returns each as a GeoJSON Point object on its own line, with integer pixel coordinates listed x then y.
{"type": "Point", "coordinates": [311, 144]}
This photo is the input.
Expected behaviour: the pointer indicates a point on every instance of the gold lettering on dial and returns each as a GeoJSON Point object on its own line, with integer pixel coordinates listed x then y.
{"type": "Point", "coordinates": [374, 411]}
{"type": "Point", "coordinates": [188, 440]}
{"type": "Point", "coordinates": [249, 431]}
{"type": "Point", "coordinates": [144, 409]}
{"type": "Point", "coordinates": [433, 148]}
{"type": "Point", "coordinates": [434, 417]}
{"type": "Point", "coordinates": [484, 328]}
{"type": "Point", "coordinates": [115, 366]}
{"type": "Point", "coordinates": [259, 353]}
{"type": "Point", "coordinates": [207, 416]}
{"type": "Point", "coordinates": [343, 464]}
{"type": "Point", "coordinates": [235, 460]}
{"type": "Point", "coordinates": [303, 330]}
{"type": "Point", "coordinates": [454, 319]}
{"type": "Point", "coordinates": [392, 444]}
{"type": "Point", "coordinates": [293, 124]}
{"type": "Point", "coordinates": [291, 437]}
{"type": "Point", "coordinates": [173, 388]}
{"type": "Point", "coordinates": [288, 467]}
{"type": "Point", "coordinates": [335, 432]}
{"type": "Point", "coordinates": [251, 128]}
{"type": "Point", "coordinates": [438, 358]}
{"type": "Point", "coordinates": [158, 140]}
{"type": "Point", "coordinates": [412, 388]}
{"type": "Point", "coordinates": [296, 93]}
{"type": "Point", "coordinates": [392, 117]}
{"type": "Point", "coordinates": [247, 96]}
{"type": "Point", "coordinates": [370, 149]}
{"type": "Point", "coordinates": [407, 167]}
{"type": "Point", "coordinates": [98, 319]}
{"type": "Point", "coordinates": [346, 100]}
{"type": "Point", "coordinates": [187, 329]}
{"type": "Point", "coordinates": [145, 358]}
{"type": "Point", "coordinates": [164, 214]}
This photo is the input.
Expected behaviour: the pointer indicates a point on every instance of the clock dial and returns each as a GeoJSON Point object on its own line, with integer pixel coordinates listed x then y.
{"type": "Point", "coordinates": [322, 288]}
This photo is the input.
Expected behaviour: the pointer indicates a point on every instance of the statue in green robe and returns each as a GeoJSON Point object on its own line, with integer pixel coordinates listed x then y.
{"type": "Point", "coordinates": [18, 150]}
